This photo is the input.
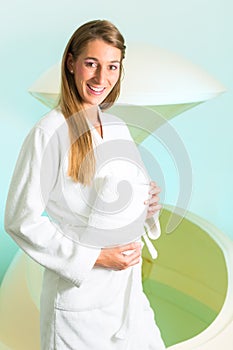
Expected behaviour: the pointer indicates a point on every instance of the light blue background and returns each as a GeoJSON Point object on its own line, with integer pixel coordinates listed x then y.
{"type": "Point", "coordinates": [33, 36]}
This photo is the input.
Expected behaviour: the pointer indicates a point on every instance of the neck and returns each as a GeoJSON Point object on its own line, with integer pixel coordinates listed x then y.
{"type": "Point", "coordinates": [92, 115]}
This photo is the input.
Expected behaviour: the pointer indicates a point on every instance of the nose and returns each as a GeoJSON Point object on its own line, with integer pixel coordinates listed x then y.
{"type": "Point", "coordinates": [101, 75]}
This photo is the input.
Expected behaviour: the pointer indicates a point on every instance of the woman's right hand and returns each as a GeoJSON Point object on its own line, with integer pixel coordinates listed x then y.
{"type": "Point", "coordinates": [120, 258]}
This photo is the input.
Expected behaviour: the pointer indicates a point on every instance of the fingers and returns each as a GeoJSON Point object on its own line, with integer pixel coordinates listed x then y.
{"type": "Point", "coordinates": [120, 258]}
{"type": "Point", "coordinates": [130, 246]}
{"type": "Point", "coordinates": [153, 201]}
{"type": "Point", "coordinates": [154, 208]}
{"type": "Point", "coordinates": [130, 255]}
{"type": "Point", "coordinates": [133, 262]}
{"type": "Point", "coordinates": [131, 259]}
{"type": "Point", "coordinates": [154, 189]}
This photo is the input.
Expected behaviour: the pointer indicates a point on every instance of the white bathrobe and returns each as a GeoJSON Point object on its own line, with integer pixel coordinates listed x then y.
{"type": "Point", "coordinates": [82, 307]}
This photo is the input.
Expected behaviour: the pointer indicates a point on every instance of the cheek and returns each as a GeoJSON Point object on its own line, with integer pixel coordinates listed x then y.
{"type": "Point", "coordinates": [115, 80]}
{"type": "Point", "coordinates": [80, 78]}
{"type": "Point", "coordinates": [81, 73]}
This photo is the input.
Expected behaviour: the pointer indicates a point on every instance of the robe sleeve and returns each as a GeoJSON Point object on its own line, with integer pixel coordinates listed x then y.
{"type": "Point", "coordinates": [33, 180]}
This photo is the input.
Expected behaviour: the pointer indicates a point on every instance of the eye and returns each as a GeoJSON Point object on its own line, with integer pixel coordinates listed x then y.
{"type": "Point", "coordinates": [91, 64]}
{"type": "Point", "coordinates": [113, 67]}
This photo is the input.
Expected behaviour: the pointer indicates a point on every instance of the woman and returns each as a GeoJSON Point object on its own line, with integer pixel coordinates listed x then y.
{"type": "Point", "coordinates": [92, 296]}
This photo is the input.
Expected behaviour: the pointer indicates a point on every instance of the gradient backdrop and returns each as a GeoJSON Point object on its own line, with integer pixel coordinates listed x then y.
{"type": "Point", "coordinates": [33, 36]}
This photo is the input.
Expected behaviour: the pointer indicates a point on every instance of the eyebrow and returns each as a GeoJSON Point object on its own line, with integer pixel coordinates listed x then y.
{"type": "Point", "coordinates": [95, 59]}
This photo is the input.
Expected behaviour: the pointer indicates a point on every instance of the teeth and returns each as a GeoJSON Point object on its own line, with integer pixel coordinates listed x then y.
{"type": "Point", "coordinates": [96, 89]}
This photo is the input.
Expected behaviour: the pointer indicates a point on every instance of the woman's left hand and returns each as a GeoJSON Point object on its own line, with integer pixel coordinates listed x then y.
{"type": "Point", "coordinates": [153, 201]}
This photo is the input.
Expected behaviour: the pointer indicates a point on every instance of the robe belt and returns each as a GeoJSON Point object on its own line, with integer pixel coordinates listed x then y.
{"type": "Point", "coordinates": [150, 247]}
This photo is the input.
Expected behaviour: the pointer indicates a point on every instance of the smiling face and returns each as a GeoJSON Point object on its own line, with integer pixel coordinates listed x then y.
{"type": "Point", "coordinates": [96, 71]}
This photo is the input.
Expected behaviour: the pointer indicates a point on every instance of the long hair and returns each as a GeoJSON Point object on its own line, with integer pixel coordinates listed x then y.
{"type": "Point", "coordinates": [81, 155]}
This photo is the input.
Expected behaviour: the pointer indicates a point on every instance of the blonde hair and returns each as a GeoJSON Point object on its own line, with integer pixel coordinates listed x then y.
{"type": "Point", "coordinates": [81, 156]}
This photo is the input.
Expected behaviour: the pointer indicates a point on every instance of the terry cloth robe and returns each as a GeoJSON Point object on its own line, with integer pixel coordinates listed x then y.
{"type": "Point", "coordinates": [83, 307]}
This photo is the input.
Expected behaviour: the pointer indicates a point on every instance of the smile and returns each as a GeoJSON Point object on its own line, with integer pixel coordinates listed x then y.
{"type": "Point", "coordinates": [97, 90]}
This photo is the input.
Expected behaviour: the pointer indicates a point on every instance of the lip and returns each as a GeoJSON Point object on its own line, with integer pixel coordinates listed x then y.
{"type": "Point", "coordinates": [95, 90]}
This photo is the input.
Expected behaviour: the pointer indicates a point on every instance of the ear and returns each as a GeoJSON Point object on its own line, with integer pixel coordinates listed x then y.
{"type": "Point", "coordinates": [70, 63]}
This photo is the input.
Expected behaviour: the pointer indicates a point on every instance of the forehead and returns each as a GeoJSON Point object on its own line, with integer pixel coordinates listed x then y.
{"type": "Point", "coordinates": [101, 51]}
